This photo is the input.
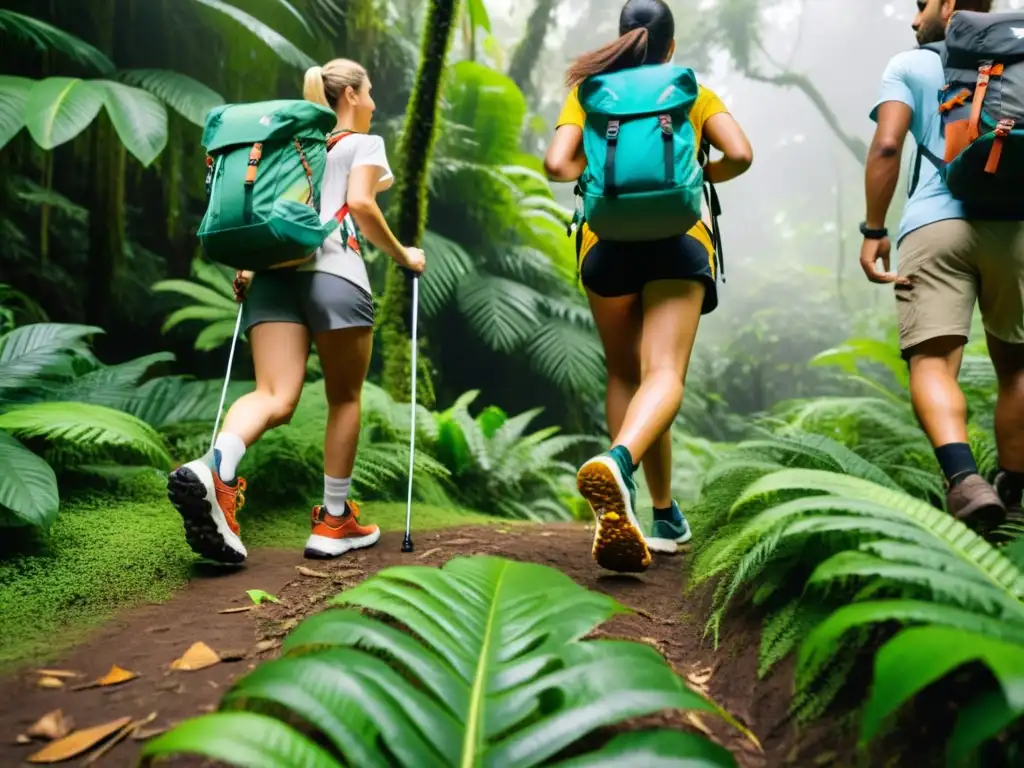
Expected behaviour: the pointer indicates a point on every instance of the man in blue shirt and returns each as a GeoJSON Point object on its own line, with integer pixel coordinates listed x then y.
{"type": "Point", "coordinates": [946, 264]}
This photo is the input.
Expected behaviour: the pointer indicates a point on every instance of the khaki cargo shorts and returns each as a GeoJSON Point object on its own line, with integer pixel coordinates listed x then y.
{"type": "Point", "coordinates": [954, 264]}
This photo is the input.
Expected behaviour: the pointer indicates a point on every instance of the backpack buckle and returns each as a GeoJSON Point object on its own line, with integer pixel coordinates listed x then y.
{"type": "Point", "coordinates": [1004, 127]}
{"type": "Point", "coordinates": [665, 121]}
{"type": "Point", "coordinates": [612, 132]}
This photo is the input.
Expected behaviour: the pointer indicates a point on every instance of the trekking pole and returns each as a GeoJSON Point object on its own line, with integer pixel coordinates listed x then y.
{"type": "Point", "coordinates": [407, 542]}
{"type": "Point", "coordinates": [227, 377]}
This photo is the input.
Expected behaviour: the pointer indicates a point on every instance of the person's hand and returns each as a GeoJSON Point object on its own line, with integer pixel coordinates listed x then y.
{"type": "Point", "coordinates": [415, 260]}
{"type": "Point", "coordinates": [873, 251]}
{"type": "Point", "coordinates": [241, 284]}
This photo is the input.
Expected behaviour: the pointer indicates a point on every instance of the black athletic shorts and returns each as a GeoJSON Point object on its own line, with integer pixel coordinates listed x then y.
{"type": "Point", "coordinates": [612, 268]}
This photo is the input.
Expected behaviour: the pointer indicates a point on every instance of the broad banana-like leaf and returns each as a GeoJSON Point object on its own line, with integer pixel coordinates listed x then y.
{"type": "Point", "coordinates": [14, 93]}
{"type": "Point", "coordinates": [28, 487]}
{"type": "Point", "coordinates": [60, 108]}
{"type": "Point", "coordinates": [139, 118]}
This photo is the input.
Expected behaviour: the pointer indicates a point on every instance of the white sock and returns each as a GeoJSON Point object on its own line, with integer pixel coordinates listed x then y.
{"type": "Point", "coordinates": [336, 493]}
{"type": "Point", "coordinates": [232, 449]}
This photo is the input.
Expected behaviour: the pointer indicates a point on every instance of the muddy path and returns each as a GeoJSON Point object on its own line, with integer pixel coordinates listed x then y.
{"type": "Point", "coordinates": [147, 640]}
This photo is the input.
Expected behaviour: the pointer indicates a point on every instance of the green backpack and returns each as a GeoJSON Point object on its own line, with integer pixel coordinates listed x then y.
{"type": "Point", "coordinates": [265, 163]}
{"type": "Point", "coordinates": [644, 179]}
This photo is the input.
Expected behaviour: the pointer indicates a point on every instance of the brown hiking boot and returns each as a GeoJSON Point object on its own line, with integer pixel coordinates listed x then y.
{"type": "Point", "coordinates": [976, 504]}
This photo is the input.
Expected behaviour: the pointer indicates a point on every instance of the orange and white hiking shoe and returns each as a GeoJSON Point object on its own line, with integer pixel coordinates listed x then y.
{"type": "Point", "coordinates": [333, 536]}
{"type": "Point", "coordinates": [208, 506]}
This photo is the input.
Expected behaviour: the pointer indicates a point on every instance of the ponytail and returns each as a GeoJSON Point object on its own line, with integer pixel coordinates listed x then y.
{"type": "Point", "coordinates": [326, 85]}
{"type": "Point", "coordinates": [628, 50]}
{"type": "Point", "coordinates": [313, 86]}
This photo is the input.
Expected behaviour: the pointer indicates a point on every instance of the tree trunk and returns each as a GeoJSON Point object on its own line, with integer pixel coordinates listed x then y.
{"type": "Point", "coordinates": [409, 208]}
{"type": "Point", "coordinates": [106, 212]}
{"type": "Point", "coordinates": [527, 53]}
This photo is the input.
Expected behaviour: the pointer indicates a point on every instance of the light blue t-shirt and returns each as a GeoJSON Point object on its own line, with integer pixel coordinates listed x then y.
{"type": "Point", "coordinates": [915, 78]}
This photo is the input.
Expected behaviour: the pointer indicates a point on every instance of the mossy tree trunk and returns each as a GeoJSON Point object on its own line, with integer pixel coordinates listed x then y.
{"type": "Point", "coordinates": [527, 53]}
{"type": "Point", "coordinates": [409, 206]}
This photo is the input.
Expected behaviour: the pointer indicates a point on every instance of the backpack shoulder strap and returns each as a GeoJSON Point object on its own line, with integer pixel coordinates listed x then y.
{"type": "Point", "coordinates": [332, 140]}
{"type": "Point", "coordinates": [923, 153]}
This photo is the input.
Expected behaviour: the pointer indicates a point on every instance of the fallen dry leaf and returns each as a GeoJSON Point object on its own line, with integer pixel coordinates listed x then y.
{"type": "Point", "coordinates": [115, 676]}
{"type": "Point", "coordinates": [198, 656]}
{"type": "Point", "coordinates": [545, 534]}
{"type": "Point", "coordinates": [52, 725]}
{"type": "Point", "coordinates": [241, 609]}
{"type": "Point", "coordinates": [311, 573]}
{"type": "Point", "coordinates": [460, 542]}
{"type": "Point", "coordinates": [78, 742]}
{"type": "Point", "coordinates": [50, 682]}
{"type": "Point", "coordinates": [429, 552]}
{"type": "Point", "coordinates": [21, 738]}
{"type": "Point", "coordinates": [233, 654]}
{"type": "Point", "coordinates": [265, 645]}
{"type": "Point", "coordinates": [123, 734]}
{"type": "Point", "coordinates": [58, 673]}
{"type": "Point", "coordinates": [144, 734]}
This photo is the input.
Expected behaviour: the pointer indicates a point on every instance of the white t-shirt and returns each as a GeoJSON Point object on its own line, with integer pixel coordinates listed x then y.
{"type": "Point", "coordinates": [335, 256]}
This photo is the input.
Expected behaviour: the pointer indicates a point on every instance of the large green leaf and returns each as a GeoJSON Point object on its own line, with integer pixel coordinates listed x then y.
{"type": "Point", "coordinates": [110, 385]}
{"type": "Point", "coordinates": [920, 656]}
{"type": "Point", "coordinates": [139, 118]}
{"type": "Point", "coordinates": [569, 356]}
{"type": "Point", "coordinates": [37, 349]}
{"type": "Point", "coordinates": [28, 487]}
{"type": "Point", "coordinates": [188, 97]}
{"type": "Point", "coordinates": [60, 108]}
{"type": "Point", "coordinates": [46, 37]}
{"type": "Point", "coordinates": [14, 93]}
{"type": "Point", "coordinates": [450, 263]}
{"type": "Point", "coordinates": [493, 671]}
{"type": "Point", "coordinates": [93, 426]}
{"type": "Point", "coordinates": [196, 292]}
{"type": "Point", "coordinates": [655, 749]}
{"type": "Point", "coordinates": [243, 739]}
{"type": "Point", "coordinates": [274, 40]}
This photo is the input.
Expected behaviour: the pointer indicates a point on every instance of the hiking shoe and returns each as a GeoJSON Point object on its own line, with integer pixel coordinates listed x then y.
{"type": "Point", "coordinates": [668, 535]}
{"type": "Point", "coordinates": [333, 536]}
{"type": "Point", "coordinates": [976, 504]}
{"type": "Point", "coordinates": [1014, 508]}
{"type": "Point", "coordinates": [619, 543]}
{"type": "Point", "coordinates": [208, 506]}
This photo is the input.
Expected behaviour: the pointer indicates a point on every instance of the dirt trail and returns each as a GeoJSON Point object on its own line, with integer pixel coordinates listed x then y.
{"type": "Point", "coordinates": [148, 639]}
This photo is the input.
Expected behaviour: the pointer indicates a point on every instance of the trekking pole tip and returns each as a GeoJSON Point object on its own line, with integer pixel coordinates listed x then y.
{"type": "Point", "coordinates": [407, 543]}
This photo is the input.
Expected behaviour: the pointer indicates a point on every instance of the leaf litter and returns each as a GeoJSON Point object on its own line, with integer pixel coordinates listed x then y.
{"type": "Point", "coordinates": [198, 656]}
{"type": "Point", "coordinates": [116, 676]}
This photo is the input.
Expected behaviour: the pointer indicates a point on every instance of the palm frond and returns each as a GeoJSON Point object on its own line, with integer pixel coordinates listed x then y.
{"type": "Point", "coordinates": [287, 51]}
{"type": "Point", "coordinates": [503, 312]}
{"type": "Point", "coordinates": [47, 37]}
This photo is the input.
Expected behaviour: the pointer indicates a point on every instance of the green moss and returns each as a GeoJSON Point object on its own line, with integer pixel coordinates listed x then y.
{"type": "Point", "coordinates": [110, 552]}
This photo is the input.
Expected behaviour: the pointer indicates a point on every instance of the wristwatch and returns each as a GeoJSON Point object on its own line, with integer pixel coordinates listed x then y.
{"type": "Point", "coordinates": [873, 234]}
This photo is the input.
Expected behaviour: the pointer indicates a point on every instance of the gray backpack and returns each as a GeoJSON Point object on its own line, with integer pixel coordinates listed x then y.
{"type": "Point", "coordinates": [982, 108]}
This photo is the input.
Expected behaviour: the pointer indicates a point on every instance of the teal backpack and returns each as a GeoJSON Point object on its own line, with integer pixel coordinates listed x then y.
{"type": "Point", "coordinates": [265, 165]}
{"type": "Point", "coordinates": [644, 178]}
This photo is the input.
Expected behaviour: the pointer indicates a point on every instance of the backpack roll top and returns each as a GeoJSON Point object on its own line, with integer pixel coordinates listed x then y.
{"type": "Point", "coordinates": [982, 107]}
{"type": "Point", "coordinates": [643, 179]}
{"type": "Point", "coordinates": [266, 163]}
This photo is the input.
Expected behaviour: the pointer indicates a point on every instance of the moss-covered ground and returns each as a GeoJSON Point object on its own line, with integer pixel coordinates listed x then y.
{"type": "Point", "coordinates": [112, 550]}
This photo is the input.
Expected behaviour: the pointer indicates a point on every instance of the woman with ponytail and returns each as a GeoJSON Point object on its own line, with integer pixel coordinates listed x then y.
{"type": "Point", "coordinates": [647, 298]}
{"type": "Point", "coordinates": [325, 300]}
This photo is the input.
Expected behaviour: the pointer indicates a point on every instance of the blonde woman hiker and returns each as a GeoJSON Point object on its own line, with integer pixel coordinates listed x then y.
{"type": "Point", "coordinates": [647, 296]}
{"type": "Point", "coordinates": [325, 300]}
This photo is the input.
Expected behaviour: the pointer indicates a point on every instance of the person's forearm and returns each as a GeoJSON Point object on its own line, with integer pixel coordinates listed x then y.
{"type": "Point", "coordinates": [725, 169]}
{"type": "Point", "coordinates": [567, 171]}
{"type": "Point", "coordinates": [880, 178]}
{"type": "Point", "coordinates": [371, 223]}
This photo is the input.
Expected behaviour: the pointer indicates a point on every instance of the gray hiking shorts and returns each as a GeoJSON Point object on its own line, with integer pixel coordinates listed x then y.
{"type": "Point", "coordinates": [318, 300]}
